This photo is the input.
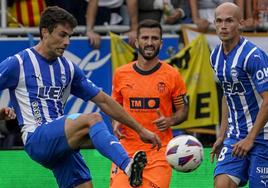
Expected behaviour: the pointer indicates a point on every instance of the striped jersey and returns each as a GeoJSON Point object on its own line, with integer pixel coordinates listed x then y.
{"type": "Point", "coordinates": [39, 88]}
{"type": "Point", "coordinates": [243, 75]}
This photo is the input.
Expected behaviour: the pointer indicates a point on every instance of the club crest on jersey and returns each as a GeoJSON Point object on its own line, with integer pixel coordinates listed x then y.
{"type": "Point", "coordinates": [161, 86]}
{"type": "Point", "coordinates": [234, 73]}
{"type": "Point", "coordinates": [63, 79]}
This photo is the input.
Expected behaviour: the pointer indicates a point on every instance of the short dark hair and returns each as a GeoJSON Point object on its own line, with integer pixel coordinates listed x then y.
{"type": "Point", "coordinates": [149, 23]}
{"type": "Point", "coordinates": [54, 15]}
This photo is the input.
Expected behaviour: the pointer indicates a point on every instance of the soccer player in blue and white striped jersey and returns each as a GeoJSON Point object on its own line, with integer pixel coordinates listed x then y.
{"type": "Point", "coordinates": [242, 70]}
{"type": "Point", "coordinates": [40, 80]}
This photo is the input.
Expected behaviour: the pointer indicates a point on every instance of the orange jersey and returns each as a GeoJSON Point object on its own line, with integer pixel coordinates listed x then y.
{"type": "Point", "coordinates": [141, 94]}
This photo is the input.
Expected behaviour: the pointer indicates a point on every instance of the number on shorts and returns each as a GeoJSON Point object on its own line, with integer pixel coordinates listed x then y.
{"type": "Point", "coordinates": [222, 154]}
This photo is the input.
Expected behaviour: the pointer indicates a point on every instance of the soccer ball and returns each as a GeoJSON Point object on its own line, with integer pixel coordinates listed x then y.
{"type": "Point", "coordinates": [184, 153]}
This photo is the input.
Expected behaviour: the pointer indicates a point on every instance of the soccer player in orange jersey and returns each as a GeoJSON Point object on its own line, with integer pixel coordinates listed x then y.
{"type": "Point", "coordinates": [154, 93]}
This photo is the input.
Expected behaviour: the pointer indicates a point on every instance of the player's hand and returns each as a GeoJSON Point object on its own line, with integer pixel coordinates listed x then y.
{"type": "Point", "coordinates": [216, 149]}
{"type": "Point", "coordinates": [241, 148]}
{"type": "Point", "coordinates": [7, 114]}
{"type": "Point", "coordinates": [94, 39]}
{"type": "Point", "coordinates": [116, 130]}
{"type": "Point", "coordinates": [149, 137]}
{"type": "Point", "coordinates": [162, 122]}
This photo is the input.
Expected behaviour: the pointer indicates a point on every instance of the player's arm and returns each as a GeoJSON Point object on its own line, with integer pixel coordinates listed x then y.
{"type": "Point", "coordinates": [116, 111]}
{"type": "Point", "coordinates": [7, 114]}
{"type": "Point", "coordinates": [116, 129]}
{"type": "Point", "coordinates": [224, 119]}
{"type": "Point", "coordinates": [224, 125]}
{"type": "Point", "coordinates": [181, 111]}
{"type": "Point", "coordinates": [9, 73]}
{"type": "Point", "coordinates": [181, 107]}
{"type": "Point", "coordinates": [261, 119]}
{"type": "Point", "coordinates": [242, 147]}
{"type": "Point", "coordinates": [179, 102]}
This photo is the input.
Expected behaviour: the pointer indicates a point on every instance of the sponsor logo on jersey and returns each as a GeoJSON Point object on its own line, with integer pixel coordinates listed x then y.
{"type": "Point", "coordinates": [262, 74]}
{"type": "Point", "coordinates": [233, 88]}
{"type": "Point", "coordinates": [114, 142]}
{"type": "Point", "coordinates": [263, 171]}
{"type": "Point", "coordinates": [144, 103]}
{"type": "Point", "coordinates": [36, 112]}
{"type": "Point", "coordinates": [38, 76]}
{"type": "Point", "coordinates": [265, 183]}
{"type": "Point", "coordinates": [51, 92]}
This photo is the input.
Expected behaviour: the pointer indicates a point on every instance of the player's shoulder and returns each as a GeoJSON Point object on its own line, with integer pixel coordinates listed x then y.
{"type": "Point", "coordinates": [10, 59]}
{"type": "Point", "coordinates": [255, 52]}
{"type": "Point", "coordinates": [125, 68]}
{"type": "Point", "coordinates": [167, 67]}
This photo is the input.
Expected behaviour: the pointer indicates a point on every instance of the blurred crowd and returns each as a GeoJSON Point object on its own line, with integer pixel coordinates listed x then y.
{"type": "Point", "coordinates": [89, 13]}
{"type": "Point", "coordinates": [129, 12]}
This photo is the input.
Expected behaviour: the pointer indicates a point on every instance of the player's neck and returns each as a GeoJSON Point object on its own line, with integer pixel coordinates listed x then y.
{"type": "Point", "coordinates": [147, 65]}
{"type": "Point", "coordinates": [230, 44]}
{"type": "Point", "coordinates": [41, 49]}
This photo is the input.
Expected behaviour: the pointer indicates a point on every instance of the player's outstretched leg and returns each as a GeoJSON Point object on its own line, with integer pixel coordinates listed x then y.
{"type": "Point", "coordinates": [137, 166]}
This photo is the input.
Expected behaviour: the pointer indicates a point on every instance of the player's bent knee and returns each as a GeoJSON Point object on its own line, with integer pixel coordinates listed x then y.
{"type": "Point", "coordinates": [83, 121]}
{"type": "Point", "coordinates": [93, 118]}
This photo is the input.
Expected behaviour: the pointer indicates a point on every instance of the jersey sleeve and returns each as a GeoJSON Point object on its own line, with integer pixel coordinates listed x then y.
{"type": "Point", "coordinates": [257, 67]}
{"type": "Point", "coordinates": [82, 87]}
{"type": "Point", "coordinates": [116, 94]}
{"type": "Point", "coordinates": [179, 86]}
{"type": "Point", "coordinates": [9, 73]}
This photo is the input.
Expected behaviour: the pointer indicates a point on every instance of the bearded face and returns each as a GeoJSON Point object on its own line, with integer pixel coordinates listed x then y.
{"type": "Point", "coordinates": [149, 42]}
{"type": "Point", "coordinates": [149, 52]}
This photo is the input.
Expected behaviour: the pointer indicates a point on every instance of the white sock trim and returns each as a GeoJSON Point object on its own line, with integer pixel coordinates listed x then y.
{"type": "Point", "coordinates": [128, 168]}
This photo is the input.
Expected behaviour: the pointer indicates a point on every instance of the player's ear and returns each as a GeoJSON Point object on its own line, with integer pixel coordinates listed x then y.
{"type": "Point", "coordinates": [44, 32]}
